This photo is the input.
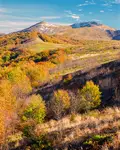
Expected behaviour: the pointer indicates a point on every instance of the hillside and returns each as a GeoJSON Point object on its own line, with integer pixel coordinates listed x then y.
{"type": "Point", "coordinates": [57, 88]}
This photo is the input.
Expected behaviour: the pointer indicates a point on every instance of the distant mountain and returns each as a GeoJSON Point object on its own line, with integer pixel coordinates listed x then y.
{"type": "Point", "coordinates": [86, 24]}
{"type": "Point", "coordinates": [80, 31]}
{"type": "Point", "coordinates": [91, 24]}
{"type": "Point", "coordinates": [1, 34]}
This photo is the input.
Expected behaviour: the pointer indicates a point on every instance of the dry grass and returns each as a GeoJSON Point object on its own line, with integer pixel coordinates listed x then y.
{"type": "Point", "coordinates": [92, 123]}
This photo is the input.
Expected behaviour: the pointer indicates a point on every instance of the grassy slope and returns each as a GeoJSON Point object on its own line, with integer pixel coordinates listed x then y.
{"type": "Point", "coordinates": [91, 55]}
{"type": "Point", "coordinates": [38, 47]}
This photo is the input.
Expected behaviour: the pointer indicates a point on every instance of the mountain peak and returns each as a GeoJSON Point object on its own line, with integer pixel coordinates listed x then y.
{"type": "Point", "coordinates": [43, 27]}
{"type": "Point", "coordinates": [42, 22]}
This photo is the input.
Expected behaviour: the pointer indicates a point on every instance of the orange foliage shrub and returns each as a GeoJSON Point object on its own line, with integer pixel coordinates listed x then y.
{"type": "Point", "coordinates": [38, 75]}
{"type": "Point", "coordinates": [59, 57]}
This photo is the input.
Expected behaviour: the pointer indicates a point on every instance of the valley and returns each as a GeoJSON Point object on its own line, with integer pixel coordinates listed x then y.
{"type": "Point", "coordinates": [59, 87]}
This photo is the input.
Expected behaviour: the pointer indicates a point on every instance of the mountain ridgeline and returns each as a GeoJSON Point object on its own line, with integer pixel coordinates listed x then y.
{"type": "Point", "coordinates": [79, 31]}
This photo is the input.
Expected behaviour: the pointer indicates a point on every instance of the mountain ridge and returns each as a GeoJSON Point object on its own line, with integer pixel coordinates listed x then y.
{"type": "Point", "coordinates": [90, 30]}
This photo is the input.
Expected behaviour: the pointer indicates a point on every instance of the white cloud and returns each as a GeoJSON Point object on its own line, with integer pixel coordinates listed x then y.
{"type": "Point", "coordinates": [90, 2]}
{"type": "Point", "coordinates": [79, 9]}
{"type": "Point", "coordinates": [90, 13]}
{"type": "Point", "coordinates": [50, 17]}
{"type": "Point", "coordinates": [102, 11]}
{"type": "Point", "coordinates": [110, 10]}
{"type": "Point", "coordinates": [68, 11]}
{"type": "Point", "coordinates": [11, 26]}
{"type": "Point", "coordinates": [12, 17]}
{"type": "Point", "coordinates": [80, 5]}
{"type": "Point", "coordinates": [2, 10]}
{"type": "Point", "coordinates": [15, 23]}
{"type": "Point", "coordinates": [106, 4]}
{"type": "Point", "coordinates": [74, 16]}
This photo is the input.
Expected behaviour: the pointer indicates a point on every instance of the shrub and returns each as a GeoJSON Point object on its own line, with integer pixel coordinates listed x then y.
{"type": "Point", "coordinates": [72, 117]}
{"type": "Point", "coordinates": [37, 75]}
{"type": "Point", "coordinates": [90, 96]}
{"type": "Point", "coordinates": [97, 140]}
{"type": "Point", "coordinates": [67, 78]}
{"type": "Point", "coordinates": [14, 140]}
{"type": "Point", "coordinates": [41, 142]}
{"type": "Point", "coordinates": [59, 57]}
{"type": "Point", "coordinates": [6, 57]}
{"type": "Point", "coordinates": [35, 109]}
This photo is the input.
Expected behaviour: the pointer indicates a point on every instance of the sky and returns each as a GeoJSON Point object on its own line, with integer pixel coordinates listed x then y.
{"type": "Point", "coordinates": [16, 15]}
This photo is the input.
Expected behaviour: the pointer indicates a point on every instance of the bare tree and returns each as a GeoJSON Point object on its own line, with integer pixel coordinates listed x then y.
{"type": "Point", "coordinates": [57, 108]}
{"type": "Point", "coordinates": [74, 101]}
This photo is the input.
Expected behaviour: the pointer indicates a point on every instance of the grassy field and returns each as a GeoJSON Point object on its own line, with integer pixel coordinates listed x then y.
{"type": "Point", "coordinates": [41, 46]}
{"type": "Point", "coordinates": [89, 57]}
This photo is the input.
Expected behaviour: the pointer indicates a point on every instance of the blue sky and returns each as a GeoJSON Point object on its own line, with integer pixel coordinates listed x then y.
{"type": "Point", "coordinates": [19, 14]}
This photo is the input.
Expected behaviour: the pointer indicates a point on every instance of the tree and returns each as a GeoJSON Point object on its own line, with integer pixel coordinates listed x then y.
{"type": "Point", "coordinates": [7, 109]}
{"type": "Point", "coordinates": [74, 102]}
{"type": "Point", "coordinates": [60, 102]}
{"type": "Point", "coordinates": [90, 96]}
{"type": "Point", "coordinates": [20, 82]}
{"type": "Point", "coordinates": [35, 109]}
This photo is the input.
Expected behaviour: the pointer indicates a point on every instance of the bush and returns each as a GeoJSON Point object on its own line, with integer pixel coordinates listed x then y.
{"type": "Point", "coordinates": [90, 96]}
{"type": "Point", "coordinates": [67, 78]}
{"type": "Point", "coordinates": [41, 143]}
{"type": "Point", "coordinates": [35, 109]}
{"type": "Point", "coordinates": [37, 75]}
{"type": "Point", "coordinates": [59, 57]}
{"type": "Point", "coordinates": [6, 57]}
{"type": "Point", "coordinates": [97, 140]}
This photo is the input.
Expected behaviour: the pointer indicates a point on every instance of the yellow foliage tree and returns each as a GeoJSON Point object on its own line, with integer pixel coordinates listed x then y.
{"type": "Point", "coordinates": [35, 109]}
{"type": "Point", "coordinates": [91, 95]}
{"type": "Point", "coordinates": [20, 82]}
{"type": "Point", "coordinates": [59, 103]}
{"type": "Point", "coordinates": [62, 95]}
{"type": "Point", "coordinates": [7, 107]}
